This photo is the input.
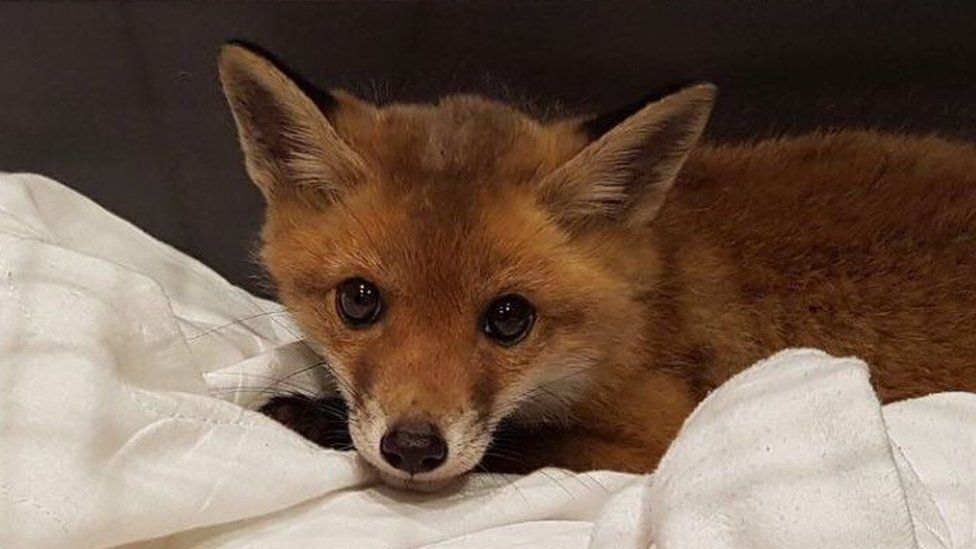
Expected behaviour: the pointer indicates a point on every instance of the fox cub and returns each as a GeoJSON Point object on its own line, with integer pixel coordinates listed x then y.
{"type": "Point", "coordinates": [465, 268]}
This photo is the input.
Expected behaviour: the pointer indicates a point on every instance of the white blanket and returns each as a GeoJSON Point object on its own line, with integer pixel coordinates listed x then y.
{"type": "Point", "coordinates": [127, 370]}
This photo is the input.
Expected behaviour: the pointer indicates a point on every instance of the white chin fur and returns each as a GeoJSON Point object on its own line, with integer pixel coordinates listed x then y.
{"type": "Point", "coordinates": [416, 485]}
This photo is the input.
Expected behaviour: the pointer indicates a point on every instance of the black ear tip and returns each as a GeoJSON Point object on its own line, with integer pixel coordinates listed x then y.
{"type": "Point", "coordinates": [235, 53]}
{"type": "Point", "coordinates": [685, 86]}
{"type": "Point", "coordinates": [711, 86]}
{"type": "Point", "coordinates": [242, 47]}
{"type": "Point", "coordinates": [704, 90]}
{"type": "Point", "coordinates": [231, 50]}
{"type": "Point", "coordinates": [237, 42]}
{"type": "Point", "coordinates": [699, 97]}
{"type": "Point", "coordinates": [233, 58]}
{"type": "Point", "coordinates": [596, 126]}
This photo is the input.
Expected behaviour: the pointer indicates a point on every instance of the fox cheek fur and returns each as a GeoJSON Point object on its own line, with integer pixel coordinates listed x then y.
{"type": "Point", "coordinates": [443, 209]}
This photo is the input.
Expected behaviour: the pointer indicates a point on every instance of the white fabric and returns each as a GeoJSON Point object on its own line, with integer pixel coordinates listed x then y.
{"type": "Point", "coordinates": [126, 369]}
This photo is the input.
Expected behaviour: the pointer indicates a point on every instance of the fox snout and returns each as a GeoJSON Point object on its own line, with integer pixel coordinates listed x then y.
{"type": "Point", "coordinates": [414, 447]}
{"type": "Point", "coordinates": [419, 452]}
{"type": "Point", "coordinates": [417, 421]}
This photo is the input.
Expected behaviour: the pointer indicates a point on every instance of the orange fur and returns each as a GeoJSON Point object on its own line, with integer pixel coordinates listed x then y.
{"type": "Point", "coordinates": [857, 243]}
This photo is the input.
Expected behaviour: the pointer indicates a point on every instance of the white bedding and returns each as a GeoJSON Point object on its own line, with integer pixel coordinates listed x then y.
{"type": "Point", "coordinates": [125, 374]}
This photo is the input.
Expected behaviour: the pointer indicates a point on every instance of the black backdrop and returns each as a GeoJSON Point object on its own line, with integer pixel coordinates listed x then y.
{"type": "Point", "coordinates": [120, 101]}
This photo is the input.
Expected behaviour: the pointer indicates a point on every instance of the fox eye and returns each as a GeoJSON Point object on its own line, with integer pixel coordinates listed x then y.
{"type": "Point", "coordinates": [508, 319]}
{"type": "Point", "coordinates": [358, 302]}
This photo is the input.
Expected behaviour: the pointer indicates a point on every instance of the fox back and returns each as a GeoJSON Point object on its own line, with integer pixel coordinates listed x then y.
{"type": "Point", "coordinates": [464, 266]}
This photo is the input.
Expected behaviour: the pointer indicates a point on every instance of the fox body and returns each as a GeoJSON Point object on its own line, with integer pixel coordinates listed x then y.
{"type": "Point", "coordinates": [463, 265]}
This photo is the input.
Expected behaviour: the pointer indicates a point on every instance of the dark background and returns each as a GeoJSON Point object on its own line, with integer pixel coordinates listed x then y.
{"type": "Point", "coordinates": [120, 101]}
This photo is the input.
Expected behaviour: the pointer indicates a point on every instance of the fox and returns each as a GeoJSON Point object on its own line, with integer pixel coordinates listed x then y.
{"type": "Point", "coordinates": [495, 290]}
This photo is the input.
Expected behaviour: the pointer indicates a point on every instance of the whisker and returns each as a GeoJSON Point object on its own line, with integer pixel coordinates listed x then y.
{"type": "Point", "coordinates": [274, 386]}
{"type": "Point", "coordinates": [298, 336]}
{"type": "Point", "coordinates": [333, 375]}
{"type": "Point", "coordinates": [250, 390]}
{"type": "Point", "coordinates": [339, 410]}
{"type": "Point", "coordinates": [216, 329]}
{"type": "Point", "coordinates": [544, 388]}
{"type": "Point", "coordinates": [300, 371]}
{"type": "Point", "coordinates": [546, 474]}
{"type": "Point", "coordinates": [504, 455]}
{"type": "Point", "coordinates": [579, 479]}
{"type": "Point", "coordinates": [263, 377]}
{"type": "Point", "coordinates": [509, 483]}
{"type": "Point", "coordinates": [591, 477]}
{"type": "Point", "coordinates": [340, 382]}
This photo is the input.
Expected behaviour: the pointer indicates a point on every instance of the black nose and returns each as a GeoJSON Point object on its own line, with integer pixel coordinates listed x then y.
{"type": "Point", "coordinates": [414, 447]}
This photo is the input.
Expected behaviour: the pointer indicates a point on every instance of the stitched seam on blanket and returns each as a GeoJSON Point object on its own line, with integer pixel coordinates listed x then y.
{"type": "Point", "coordinates": [133, 393]}
{"type": "Point", "coordinates": [928, 495]}
{"type": "Point", "coordinates": [14, 294]}
{"type": "Point", "coordinates": [901, 481]}
{"type": "Point", "coordinates": [7, 493]}
{"type": "Point", "coordinates": [27, 500]}
{"type": "Point", "coordinates": [177, 333]}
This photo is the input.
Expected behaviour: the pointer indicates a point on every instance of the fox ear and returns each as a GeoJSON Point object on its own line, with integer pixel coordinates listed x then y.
{"type": "Point", "coordinates": [625, 173]}
{"type": "Point", "coordinates": [288, 142]}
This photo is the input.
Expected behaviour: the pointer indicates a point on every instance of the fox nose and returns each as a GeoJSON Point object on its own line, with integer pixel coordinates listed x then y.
{"type": "Point", "coordinates": [414, 447]}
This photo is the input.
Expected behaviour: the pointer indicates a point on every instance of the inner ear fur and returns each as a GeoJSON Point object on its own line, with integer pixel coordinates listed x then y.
{"type": "Point", "coordinates": [289, 144]}
{"type": "Point", "coordinates": [626, 172]}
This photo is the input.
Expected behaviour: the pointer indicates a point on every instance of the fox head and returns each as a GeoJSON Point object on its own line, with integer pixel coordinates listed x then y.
{"type": "Point", "coordinates": [459, 263]}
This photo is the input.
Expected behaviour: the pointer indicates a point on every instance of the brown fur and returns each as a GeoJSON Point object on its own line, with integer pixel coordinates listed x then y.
{"type": "Point", "coordinates": [857, 243]}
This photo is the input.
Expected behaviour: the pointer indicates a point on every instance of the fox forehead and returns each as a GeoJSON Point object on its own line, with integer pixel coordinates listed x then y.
{"type": "Point", "coordinates": [460, 140]}
{"type": "Point", "coordinates": [429, 244]}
